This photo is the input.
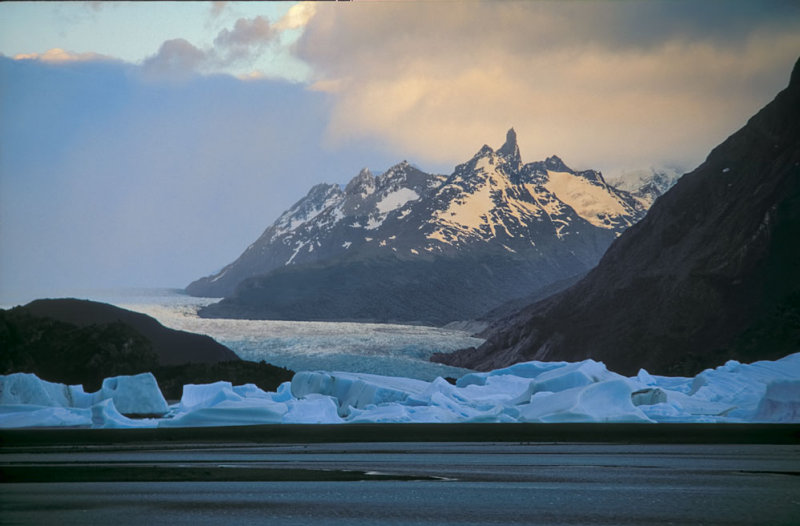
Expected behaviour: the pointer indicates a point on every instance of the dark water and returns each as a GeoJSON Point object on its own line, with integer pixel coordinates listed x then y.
{"type": "Point", "coordinates": [463, 484]}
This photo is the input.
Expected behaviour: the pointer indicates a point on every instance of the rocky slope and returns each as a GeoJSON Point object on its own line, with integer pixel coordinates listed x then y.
{"type": "Point", "coordinates": [712, 273]}
{"type": "Point", "coordinates": [169, 345]}
{"type": "Point", "coordinates": [416, 247]}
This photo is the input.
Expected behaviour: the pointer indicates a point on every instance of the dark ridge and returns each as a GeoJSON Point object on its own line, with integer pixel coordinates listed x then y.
{"type": "Point", "coordinates": [64, 352]}
{"type": "Point", "coordinates": [171, 346]}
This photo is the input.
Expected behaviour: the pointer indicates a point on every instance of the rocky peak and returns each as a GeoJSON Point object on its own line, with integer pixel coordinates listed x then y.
{"type": "Point", "coordinates": [363, 183]}
{"type": "Point", "coordinates": [484, 151]}
{"type": "Point", "coordinates": [396, 172]}
{"type": "Point", "coordinates": [555, 163]}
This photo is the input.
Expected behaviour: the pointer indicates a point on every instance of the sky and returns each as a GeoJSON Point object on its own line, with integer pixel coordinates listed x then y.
{"type": "Point", "coordinates": [147, 144]}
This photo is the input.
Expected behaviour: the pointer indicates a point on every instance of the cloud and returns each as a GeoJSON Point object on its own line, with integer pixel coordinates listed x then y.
{"type": "Point", "coordinates": [298, 16]}
{"type": "Point", "coordinates": [217, 8]}
{"type": "Point", "coordinates": [241, 44]}
{"type": "Point", "coordinates": [245, 32]}
{"type": "Point", "coordinates": [176, 59]}
{"type": "Point", "coordinates": [107, 181]}
{"type": "Point", "coordinates": [57, 55]}
{"type": "Point", "coordinates": [605, 85]}
{"type": "Point", "coordinates": [248, 37]}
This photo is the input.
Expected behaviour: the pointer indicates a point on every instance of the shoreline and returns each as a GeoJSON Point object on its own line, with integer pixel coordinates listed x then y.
{"type": "Point", "coordinates": [663, 433]}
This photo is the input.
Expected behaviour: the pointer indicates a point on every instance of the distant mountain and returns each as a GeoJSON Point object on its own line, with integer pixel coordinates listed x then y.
{"type": "Point", "coordinates": [712, 272]}
{"type": "Point", "coordinates": [82, 342]}
{"type": "Point", "coordinates": [646, 185]}
{"type": "Point", "coordinates": [411, 246]}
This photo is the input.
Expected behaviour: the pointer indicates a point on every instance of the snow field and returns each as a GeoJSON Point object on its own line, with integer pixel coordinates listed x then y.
{"type": "Point", "coordinates": [544, 392]}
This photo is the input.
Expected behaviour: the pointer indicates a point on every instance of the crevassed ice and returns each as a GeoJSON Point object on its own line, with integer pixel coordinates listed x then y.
{"type": "Point", "coordinates": [545, 392]}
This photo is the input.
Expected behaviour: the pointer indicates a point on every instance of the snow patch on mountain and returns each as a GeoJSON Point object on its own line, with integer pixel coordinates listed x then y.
{"type": "Point", "coordinates": [591, 201]}
{"type": "Point", "coordinates": [396, 199]}
{"type": "Point", "coordinates": [466, 213]}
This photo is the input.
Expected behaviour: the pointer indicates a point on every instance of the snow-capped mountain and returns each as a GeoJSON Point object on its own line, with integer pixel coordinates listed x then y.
{"type": "Point", "coordinates": [551, 221]}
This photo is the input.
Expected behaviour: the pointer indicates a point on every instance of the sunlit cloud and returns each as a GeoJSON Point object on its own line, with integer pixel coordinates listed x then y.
{"type": "Point", "coordinates": [57, 55]}
{"type": "Point", "coordinates": [298, 16]}
{"type": "Point", "coordinates": [603, 85]}
{"type": "Point", "coordinates": [253, 75]}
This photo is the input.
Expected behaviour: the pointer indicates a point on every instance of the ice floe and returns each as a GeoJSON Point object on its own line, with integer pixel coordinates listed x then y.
{"type": "Point", "coordinates": [546, 392]}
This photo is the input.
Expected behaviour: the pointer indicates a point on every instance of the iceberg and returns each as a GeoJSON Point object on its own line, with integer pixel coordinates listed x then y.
{"type": "Point", "coordinates": [28, 401]}
{"type": "Point", "coordinates": [137, 394]}
{"type": "Point", "coordinates": [543, 392]}
{"type": "Point", "coordinates": [355, 390]}
{"type": "Point", "coordinates": [781, 402]}
{"type": "Point", "coordinates": [602, 401]}
{"type": "Point", "coordinates": [29, 389]}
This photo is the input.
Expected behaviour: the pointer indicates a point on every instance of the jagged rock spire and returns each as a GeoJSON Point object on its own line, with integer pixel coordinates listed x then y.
{"type": "Point", "coordinates": [510, 150]}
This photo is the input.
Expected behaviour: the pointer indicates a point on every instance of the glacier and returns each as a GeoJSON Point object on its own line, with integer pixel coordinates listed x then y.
{"type": "Point", "coordinates": [537, 392]}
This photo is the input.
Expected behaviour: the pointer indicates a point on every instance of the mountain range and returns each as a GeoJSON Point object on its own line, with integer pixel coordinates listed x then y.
{"type": "Point", "coordinates": [410, 246]}
{"type": "Point", "coordinates": [712, 273]}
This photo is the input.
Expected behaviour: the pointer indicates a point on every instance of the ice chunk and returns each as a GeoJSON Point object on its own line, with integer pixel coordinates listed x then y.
{"type": "Point", "coordinates": [195, 396]}
{"type": "Point", "coordinates": [354, 389]}
{"type": "Point", "coordinates": [608, 401]}
{"type": "Point", "coordinates": [781, 402]}
{"type": "Point", "coordinates": [313, 409]}
{"type": "Point", "coordinates": [251, 391]}
{"type": "Point", "coordinates": [680, 407]}
{"type": "Point", "coordinates": [26, 388]}
{"type": "Point", "coordinates": [573, 375]}
{"type": "Point", "coordinates": [106, 416]}
{"type": "Point", "coordinates": [137, 394]}
{"type": "Point", "coordinates": [283, 394]}
{"type": "Point", "coordinates": [743, 385]}
{"type": "Point", "coordinates": [520, 370]}
{"type": "Point", "coordinates": [228, 412]}
{"type": "Point", "coordinates": [14, 416]}
{"type": "Point", "coordinates": [650, 396]}
{"type": "Point", "coordinates": [646, 378]}
{"type": "Point", "coordinates": [501, 389]}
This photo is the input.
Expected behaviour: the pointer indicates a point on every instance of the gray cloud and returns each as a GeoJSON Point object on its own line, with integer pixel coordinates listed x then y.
{"type": "Point", "coordinates": [610, 85]}
{"type": "Point", "coordinates": [176, 59]}
{"type": "Point", "coordinates": [248, 36]}
{"type": "Point", "coordinates": [246, 32]}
